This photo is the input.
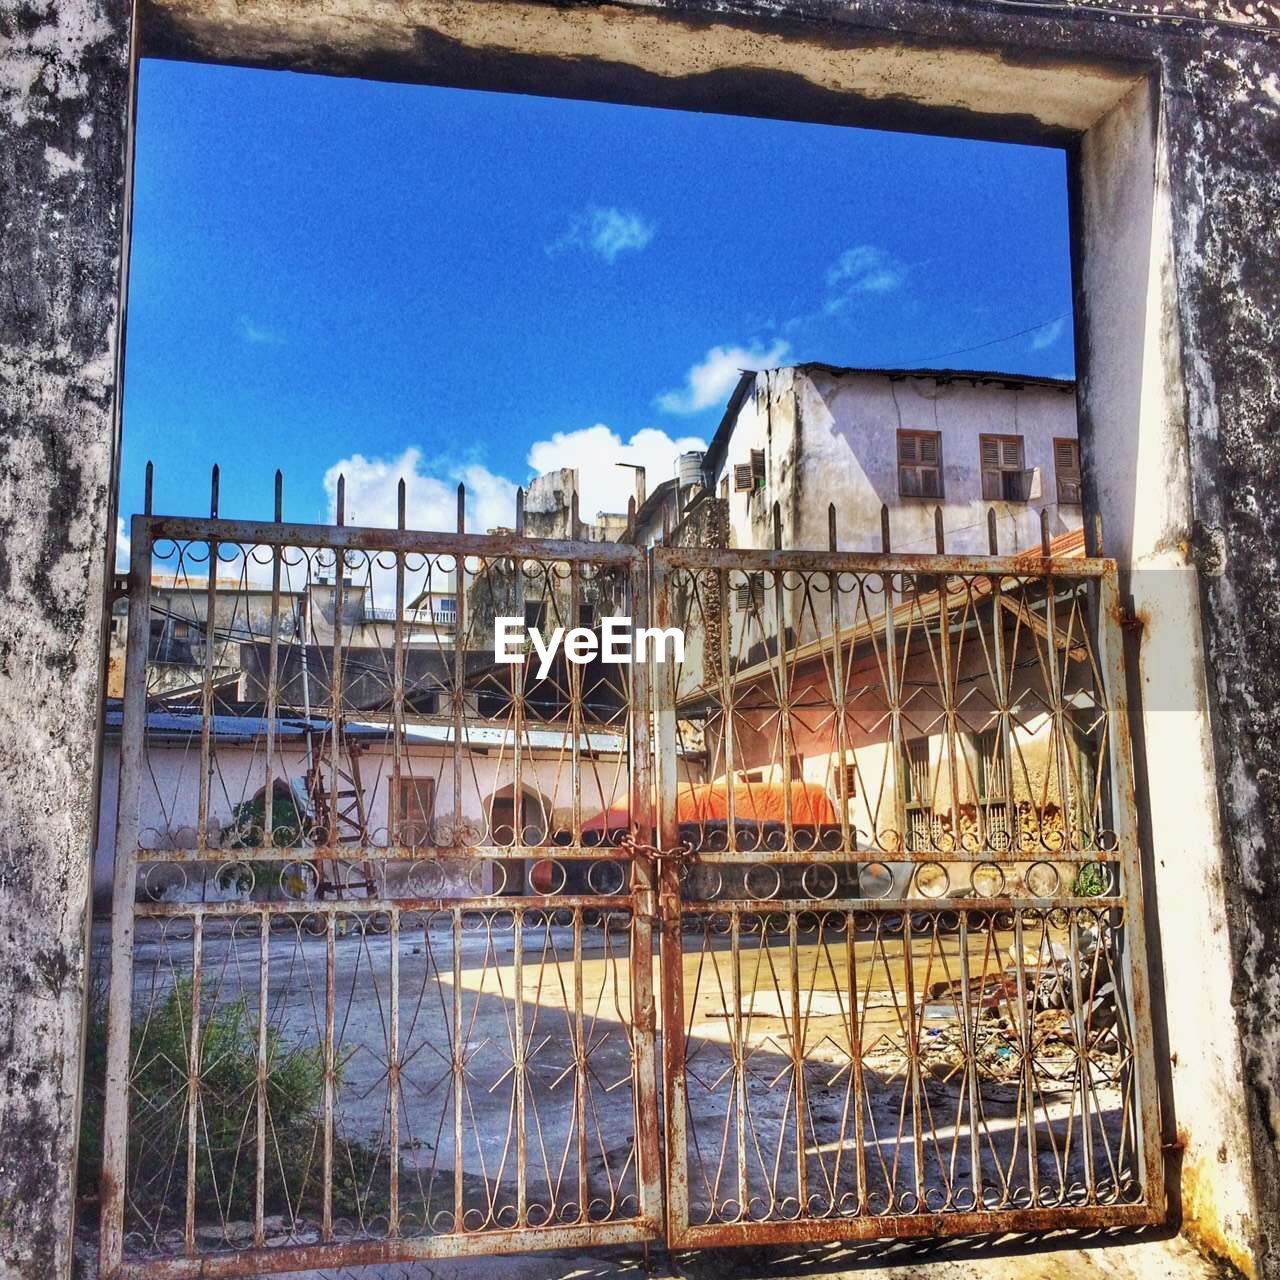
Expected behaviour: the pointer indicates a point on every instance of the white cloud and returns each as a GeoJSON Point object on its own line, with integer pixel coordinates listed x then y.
{"type": "Point", "coordinates": [606, 232]}
{"type": "Point", "coordinates": [431, 501]}
{"type": "Point", "coordinates": [710, 380]}
{"type": "Point", "coordinates": [595, 451]}
{"type": "Point", "coordinates": [259, 335]}
{"type": "Point", "coordinates": [862, 269]}
{"type": "Point", "coordinates": [1048, 334]}
{"type": "Point", "coordinates": [122, 546]}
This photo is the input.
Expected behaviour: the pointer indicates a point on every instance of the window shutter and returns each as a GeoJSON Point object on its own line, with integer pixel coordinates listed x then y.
{"type": "Point", "coordinates": [919, 464]}
{"type": "Point", "coordinates": [990, 451]}
{"type": "Point", "coordinates": [1011, 453]}
{"type": "Point", "coordinates": [757, 467]}
{"type": "Point", "coordinates": [1066, 463]}
{"type": "Point", "coordinates": [750, 595]}
{"type": "Point", "coordinates": [742, 481]}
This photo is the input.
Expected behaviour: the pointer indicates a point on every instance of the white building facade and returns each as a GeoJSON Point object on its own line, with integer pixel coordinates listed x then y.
{"type": "Point", "coordinates": [910, 440]}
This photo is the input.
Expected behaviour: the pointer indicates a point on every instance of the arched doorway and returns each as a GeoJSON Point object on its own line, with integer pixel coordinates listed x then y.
{"type": "Point", "coordinates": [510, 826]}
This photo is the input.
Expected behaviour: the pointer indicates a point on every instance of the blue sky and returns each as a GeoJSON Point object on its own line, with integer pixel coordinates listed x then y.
{"type": "Point", "coordinates": [445, 284]}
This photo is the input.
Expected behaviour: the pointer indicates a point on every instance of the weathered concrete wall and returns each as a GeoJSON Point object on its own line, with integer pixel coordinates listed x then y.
{"type": "Point", "coordinates": [64, 95]}
{"type": "Point", "coordinates": [1222, 130]}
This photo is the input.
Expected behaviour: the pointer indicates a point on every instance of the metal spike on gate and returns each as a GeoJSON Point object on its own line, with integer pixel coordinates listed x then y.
{"type": "Point", "coordinates": [884, 528]}
{"type": "Point", "coordinates": [939, 534]}
{"type": "Point", "coordinates": [279, 496]}
{"type": "Point", "coordinates": [520, 511]}
{"type": "Point", "coordinates": [146, 488]}
{"type": "Point", "coordinates": [400, 504]}
{"type": "Point", "coordinates": [213, 493]}
{"type": "Point", "coordinates": [993, 533]}
{"type": "Point", "coordinates": [462, 507]}
{"type": "Point", "coordinates": [1045, 545]}
{"type": "Point", "coordinates": [341, 503]}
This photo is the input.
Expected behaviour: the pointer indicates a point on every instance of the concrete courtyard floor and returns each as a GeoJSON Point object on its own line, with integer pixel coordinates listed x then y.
{"type": "Point", "coordinates": [297, 965]}
{"type": "Point", "coordinates": [1090, 1257]}
{"type": "Point", "coordinates": [1072, 1256]}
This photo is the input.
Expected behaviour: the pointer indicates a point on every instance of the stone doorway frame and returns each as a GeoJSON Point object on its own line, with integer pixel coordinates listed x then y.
{"type": "Point", "coordinates": [1148, 415]}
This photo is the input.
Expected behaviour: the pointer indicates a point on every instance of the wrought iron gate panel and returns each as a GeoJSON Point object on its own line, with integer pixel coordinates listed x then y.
{"type": "Point", "coordinates": [380, 989]}
{"type": "Point", "coordinates": [902, 948]}
{"type": "Point", "coordinates": [382, 951]}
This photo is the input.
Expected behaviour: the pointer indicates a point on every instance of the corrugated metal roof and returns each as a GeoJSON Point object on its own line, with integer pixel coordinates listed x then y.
{"type": "Point", "coordinates": [245, 729]}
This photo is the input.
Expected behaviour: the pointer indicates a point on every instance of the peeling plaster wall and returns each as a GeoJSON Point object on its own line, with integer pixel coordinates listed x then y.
{"type": "Point", "coordinates": [1222, 297]}
{"type": "Point", "coordinates": [64, 92]}
{"type": "Point", "coordinates": [832, 438]}
{"type": "Point", "coordinates": [1134, 427]}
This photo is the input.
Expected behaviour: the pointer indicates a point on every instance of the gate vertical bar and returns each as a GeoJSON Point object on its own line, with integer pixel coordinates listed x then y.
{"type": "Point", "coordinates": [1125, 821]}
{"type": "Point", "coordinates": [115, 1137]}
{"type": "Point", "coordinates": [673, 1033]}
{"type": "Point", "coordinates": [643, 909]}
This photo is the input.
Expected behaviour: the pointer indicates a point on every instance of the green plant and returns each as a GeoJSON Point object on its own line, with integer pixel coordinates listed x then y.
{"type": "Point", "coordinates": [247, 829]}
{"type": "Point", "coordinates": [226, 1118]}
{"type": "Point", "coordinates": [1091, 881]}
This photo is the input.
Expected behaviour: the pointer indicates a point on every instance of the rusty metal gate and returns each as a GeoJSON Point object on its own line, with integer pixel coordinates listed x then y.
{"type": "Point", "coordinates": [903, 964]}
{"type": "Point", "coordinates": [380, 989]}
{"type": "Point", "coordinates": [383, 955]}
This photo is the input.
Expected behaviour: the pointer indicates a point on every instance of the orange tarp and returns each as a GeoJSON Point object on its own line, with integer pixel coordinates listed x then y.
{"type": "Point", "coordinates": [752, 802]}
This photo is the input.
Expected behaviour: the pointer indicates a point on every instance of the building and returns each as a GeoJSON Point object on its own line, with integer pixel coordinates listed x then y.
{"type": "Point", "coordinates": [242, 613]}
{"type": "Point", "coordinates": [911, 440]}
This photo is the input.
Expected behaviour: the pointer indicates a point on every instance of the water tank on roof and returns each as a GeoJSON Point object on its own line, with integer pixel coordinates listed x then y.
{"type": "Point", "coordinates": [690, 468]}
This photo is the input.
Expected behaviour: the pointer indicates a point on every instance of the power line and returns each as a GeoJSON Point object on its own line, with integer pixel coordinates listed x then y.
{"type": "Point", "coordinates": [978, 346]}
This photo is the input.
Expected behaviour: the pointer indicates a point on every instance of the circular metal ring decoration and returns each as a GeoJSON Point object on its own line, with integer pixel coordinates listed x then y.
{"type": "Point", "coordinates": [1042, 879]}
{"type": "Point", "coordinates": [548, 877]}
{"type": "Point", "coordinates": [811, 877]}
{"type": "Point", "coordinates": [751, 881]}
{"type": "Point", "coordinates": [987, 880]}
{"type": "Point", "coordinates": [875, 880]}
{"type": "Point", "coordinates": [606, 877]}
{"type": "Point", "coordinates": [932, 880]}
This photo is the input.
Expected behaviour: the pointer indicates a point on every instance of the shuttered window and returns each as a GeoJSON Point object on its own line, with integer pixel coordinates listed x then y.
{"type": "Point", "coordinates": [1066, 467]}
{"type": "Point", "coordinates": [750, 595]}
{"type": "Point", "coordinates": [848, 780]}
{"type": "Point", "coordinates": [1005, 477]}
{"type": "Point", "coordinates": [417, 810]}
{"type": "Point", "coordinates": [748, 477]}
{"type": "Point", "coordinates": [920, 464]}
